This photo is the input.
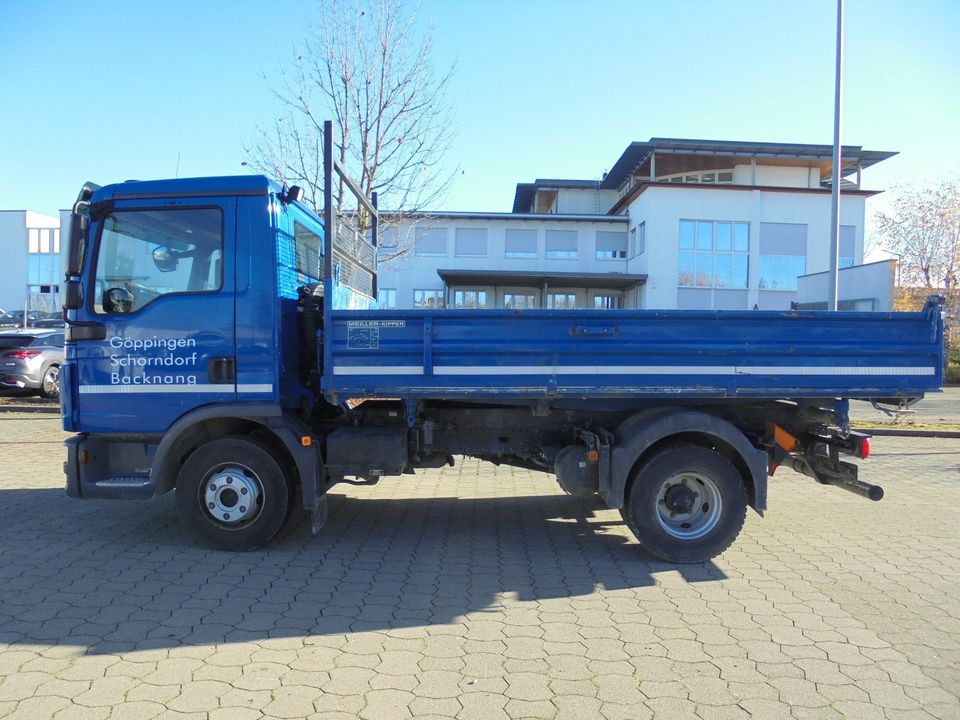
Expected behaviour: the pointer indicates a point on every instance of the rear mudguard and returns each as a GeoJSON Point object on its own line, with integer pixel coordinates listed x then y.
{"type": "Point", "coordinates": [636, 435]}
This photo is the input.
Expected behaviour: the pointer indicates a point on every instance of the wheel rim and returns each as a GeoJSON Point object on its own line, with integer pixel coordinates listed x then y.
{"type": "Point", "coordinates": [51, 381]}
{"type": "Point", "coordinates": [232, 495]}
{"type": "Point", "coordinates": [689, 505]}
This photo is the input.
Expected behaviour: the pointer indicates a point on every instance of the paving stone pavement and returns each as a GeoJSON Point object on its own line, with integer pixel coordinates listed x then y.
{"type": "Point", "coordinates": [481, 592]}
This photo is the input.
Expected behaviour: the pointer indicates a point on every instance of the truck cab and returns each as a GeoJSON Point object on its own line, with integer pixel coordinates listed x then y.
{"type": "Point", "coordinates": [189, 291]}
{"type": "Point", "coordinates": [183, 323]}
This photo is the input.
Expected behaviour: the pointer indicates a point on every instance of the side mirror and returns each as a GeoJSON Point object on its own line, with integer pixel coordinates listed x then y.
{"type": "Point", "coordinates": [79, 226]}
{"type": "Point", "coordinates": [73, 295]}
{"type": "Point", "coordinates": [165, 259]}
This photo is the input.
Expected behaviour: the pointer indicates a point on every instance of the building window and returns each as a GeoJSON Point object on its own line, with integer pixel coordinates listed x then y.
{"type": "Point", "coordinates": [387, 298]}
{"type": "Point", "coordinates": [520, 301]}
{"type": "Point", "coordinates": [43, 298]}
{"type": "Point", "coordinates": [520, 243]}
{"type": "Point", "coordinates": [607, 302]}
{"type": "Point", "coordinates": [43, 269]}
{"type": "Point", "coordinates": [470, 242]}
{"type": "Point", "coordinates": [611, 245]}
{"type": "Point", "coordinates": [427, 299]}
{"type": "Point", "coordinates": [561, 244]}
{"type": "Point", "coordinates": [848, 238]}
{"type": "Point", "coordinates": [308, 245]}
{"type": "Point", "coordinates": [783, 255]}
{"type": "Point", "coordinates": [715, 177]}
{"type": "Point", "coordinates": [388, 241]}
{"type": "Point", "coordinates": [714, 253]}
{"type": "Point", "coordinates": [780, 272]}
{"type": "Point", "coordinates": [43, 241]}
{"type": "Point", "coordinates": [388, 237]}
{"type": "Point", "coordinates": [430, 242]}
{"type": "Point", "coordinates": [638, 239]}
{"type": "Point", "coordinates": [469, 299]}
{"type": "Point", "coordinates": [562, 301]}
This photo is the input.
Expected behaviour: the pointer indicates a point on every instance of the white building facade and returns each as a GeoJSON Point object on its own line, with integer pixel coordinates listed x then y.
{"type": "Point", "coordinates": [687, 224]}
{"type": "Point", "coordinates": [32, 267]}
{"type": "Point", "coordinates": [507, 260]}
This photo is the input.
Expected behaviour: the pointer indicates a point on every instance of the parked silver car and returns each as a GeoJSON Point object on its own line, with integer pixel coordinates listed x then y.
{"type": "Point", "coordinates": [31, 360]}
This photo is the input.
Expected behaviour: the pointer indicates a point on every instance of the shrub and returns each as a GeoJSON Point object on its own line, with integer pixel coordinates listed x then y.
{"type": "Point", "coordinates": [952, 376]}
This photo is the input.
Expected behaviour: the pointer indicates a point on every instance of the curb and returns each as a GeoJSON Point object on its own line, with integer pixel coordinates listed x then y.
{"type": "Point", "coordinates": [27, 410]}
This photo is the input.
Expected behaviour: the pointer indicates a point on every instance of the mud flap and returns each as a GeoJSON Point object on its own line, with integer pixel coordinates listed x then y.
{"type": "Point", "coordinates": [318, 515]}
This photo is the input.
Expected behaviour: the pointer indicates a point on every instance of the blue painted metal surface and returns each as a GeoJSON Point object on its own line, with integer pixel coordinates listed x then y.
{"type": "Point", "coordinates": [152, 365]}
{"type": "Point", "coordinates": [585, 354]}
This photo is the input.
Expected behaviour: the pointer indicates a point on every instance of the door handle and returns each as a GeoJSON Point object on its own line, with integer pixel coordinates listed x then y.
{"type": "Point", "coordinates": [222, 370]}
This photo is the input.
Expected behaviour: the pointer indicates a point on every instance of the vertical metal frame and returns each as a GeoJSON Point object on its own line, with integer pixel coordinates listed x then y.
{"type": "Point", "coordinates": [330, 168]}
{"type": "Point", "coordinates": [328, 215]}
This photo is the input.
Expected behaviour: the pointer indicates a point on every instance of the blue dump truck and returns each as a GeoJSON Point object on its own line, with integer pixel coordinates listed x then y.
{"type": "Point", "coordinates": [223, 342]}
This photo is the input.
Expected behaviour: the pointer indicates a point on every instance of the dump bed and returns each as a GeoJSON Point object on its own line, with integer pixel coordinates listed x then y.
{"type": "Point", "coordinates": [534, 354]}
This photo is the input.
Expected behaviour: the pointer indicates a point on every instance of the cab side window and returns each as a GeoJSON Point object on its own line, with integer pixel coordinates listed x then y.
{"type": "Point", "coordinates": [145, 254]}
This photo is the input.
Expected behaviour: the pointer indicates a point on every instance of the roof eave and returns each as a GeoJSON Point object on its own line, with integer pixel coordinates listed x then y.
{"type": "Point", "coordinates": [641, 187]}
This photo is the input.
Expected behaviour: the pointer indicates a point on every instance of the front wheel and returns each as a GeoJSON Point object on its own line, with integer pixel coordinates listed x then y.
{"type": "Point", "coordinates": [233, 494]}
{"type": "Point", "coordinates": [686, 504]}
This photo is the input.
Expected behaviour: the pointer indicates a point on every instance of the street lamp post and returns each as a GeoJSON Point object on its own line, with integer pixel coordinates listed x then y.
{"type": "Point", "coordinates": [837, 168]}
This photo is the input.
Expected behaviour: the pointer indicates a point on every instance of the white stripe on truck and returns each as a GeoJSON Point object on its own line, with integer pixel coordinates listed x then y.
{"type": "Point", "coordinates": [633, 370]}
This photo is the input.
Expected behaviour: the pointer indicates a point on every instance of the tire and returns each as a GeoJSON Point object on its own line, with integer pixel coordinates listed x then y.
{"type": "Point", "coordinates": [686, 504]}
{"type": "Point", "coordinates": [214, 484]}
{"type": "Point", "coordinates": [50, 383]}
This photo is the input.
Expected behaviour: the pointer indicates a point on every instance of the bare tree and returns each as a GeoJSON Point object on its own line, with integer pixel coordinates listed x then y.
{"type": "Point", "coordinates": [364, 66]}
{"type": "Point", "coordinates": [923, 229]}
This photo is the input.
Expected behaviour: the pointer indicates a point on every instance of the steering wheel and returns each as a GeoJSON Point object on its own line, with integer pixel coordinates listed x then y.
{"type": "Point", "coordinates": [118, 300]}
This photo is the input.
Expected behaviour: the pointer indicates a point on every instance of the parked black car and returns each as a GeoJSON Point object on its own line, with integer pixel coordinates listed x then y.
{"type": "Point", "coordinates": [47, 320]}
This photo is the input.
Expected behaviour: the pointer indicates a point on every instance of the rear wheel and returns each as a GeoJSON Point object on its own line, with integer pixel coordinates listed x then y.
{"type": "Point", "coordinates": [233, 494]}
{"type": "Point", "coordinates": [50, 384]}
{"type": "Point", "coordinates": [686, 504]}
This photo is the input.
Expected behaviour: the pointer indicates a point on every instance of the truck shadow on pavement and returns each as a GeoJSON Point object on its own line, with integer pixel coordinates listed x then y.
{"type": "Point", "coordinates": [114, 577]}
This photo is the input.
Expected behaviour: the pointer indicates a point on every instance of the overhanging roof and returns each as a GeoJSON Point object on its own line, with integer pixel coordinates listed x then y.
{"type": "Point", "coordinates": [640, 187]}
{"type": "Point", "coordinates": [637, 153]}
{"type": "Point", "coordinates": [536, 278]}
{"type": "Point", "coordinates": [692, 154]}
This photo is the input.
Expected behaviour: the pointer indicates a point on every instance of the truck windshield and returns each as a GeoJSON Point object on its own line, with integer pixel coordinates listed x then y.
{"type": "Point", "coordinates": [145, 254]}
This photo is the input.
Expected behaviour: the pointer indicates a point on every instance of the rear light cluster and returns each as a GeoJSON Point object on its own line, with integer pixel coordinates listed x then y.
{"type": "Point", "coordinates": [21, 354]}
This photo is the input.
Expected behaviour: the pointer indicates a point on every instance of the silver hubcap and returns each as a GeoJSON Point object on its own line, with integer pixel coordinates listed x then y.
{"type": "Point", "coordinates": [688, 505]}
{"type": "Point", "coordinates": [233, 495]}
{"type": "Point", "coordinates": [51, 381]}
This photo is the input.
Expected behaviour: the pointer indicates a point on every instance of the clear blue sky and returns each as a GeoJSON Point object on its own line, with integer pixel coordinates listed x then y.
{"type": "Point", "coordinates": [111, 90]}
